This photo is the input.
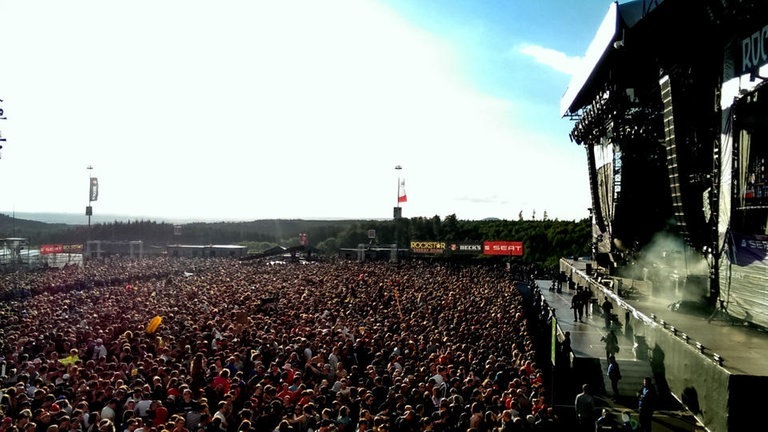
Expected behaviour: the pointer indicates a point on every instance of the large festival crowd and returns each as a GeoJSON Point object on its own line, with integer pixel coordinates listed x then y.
{"type": "Point", "coordinates": [217, 345]}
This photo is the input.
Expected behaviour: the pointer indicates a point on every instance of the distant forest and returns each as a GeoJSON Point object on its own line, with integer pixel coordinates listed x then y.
{"type": "Point", "coordinates": [544, 241]}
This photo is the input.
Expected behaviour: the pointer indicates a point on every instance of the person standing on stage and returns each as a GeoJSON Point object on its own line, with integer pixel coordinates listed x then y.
{"type": "Point", "coordinates": [614, 375]}
{"type": "Point", "coordinates": [646, 404]}
{"type": "Point", "coordinates": [611, 344]}
{"type": "Point", "coordinates": [585, 409]}
{"type": "Point", "coordinates": [566, 350]}
{"type": "Point", "coordinates": [607, 308]}
{"type": "Point", "coordinates": [577, 304]}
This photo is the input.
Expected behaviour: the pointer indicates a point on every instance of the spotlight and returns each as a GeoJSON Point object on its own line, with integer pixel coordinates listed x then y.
{"type": "Point", "coordinates": [719, 360]}
{"type": "Point", "coordinates": [685, 337]}
{"type": "Point", "coordinates": [700, 347]}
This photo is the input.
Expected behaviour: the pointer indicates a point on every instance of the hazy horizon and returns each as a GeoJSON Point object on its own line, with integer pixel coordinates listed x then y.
{"type": "Point", "coordinates": [82, 219]}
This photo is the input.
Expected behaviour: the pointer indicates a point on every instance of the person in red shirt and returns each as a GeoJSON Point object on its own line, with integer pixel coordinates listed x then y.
{"type": "Point", "coordinates": [160, 413]}
{"type": "Point", "coordinates": [221, 382]}
{"type": "Point", "coordinates": [288, 373]}
{"type": "Point", "coordinates": [285, 392]}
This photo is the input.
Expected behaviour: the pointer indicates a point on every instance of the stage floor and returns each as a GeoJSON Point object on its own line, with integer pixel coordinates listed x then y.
{"type": "Point", "coordinates": [742, 347]}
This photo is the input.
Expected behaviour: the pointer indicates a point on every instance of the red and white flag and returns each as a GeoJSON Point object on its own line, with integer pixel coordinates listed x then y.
{"type": "Point", "coordinates": [401, 197]}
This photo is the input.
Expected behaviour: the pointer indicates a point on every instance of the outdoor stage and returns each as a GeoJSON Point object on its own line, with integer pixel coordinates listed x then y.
{"type": "Point", "coordinates": [710, 364]}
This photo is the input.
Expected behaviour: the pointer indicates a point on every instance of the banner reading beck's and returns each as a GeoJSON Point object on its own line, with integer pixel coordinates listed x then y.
{"type": "Point", "coordinates": [510, 248]}
{"type": "Point", "coordinates": [466, 248]}
{"type": "Point", "coordinates": [427, 247]}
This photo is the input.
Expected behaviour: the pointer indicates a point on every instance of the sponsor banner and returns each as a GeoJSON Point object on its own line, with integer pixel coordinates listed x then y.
{"type": "Point", "coordinates": [72, 248]}
{"type": "Point", "coordinates": [553, 342]}
{"type": "Point", "coordinates": [466, 248]}
{"type": "Point", "coordinates": [428, 247]}
{"type": "Point", "coordinates": [752, 51]}
{"type": "Point", "coordinates": [48, 249]}
{"type": "Point", "coordinates": [94, 190]}
{"type": "Point", "coordinates": [511, 248]}
{"type": "Point", "coordinates": [749, 249]}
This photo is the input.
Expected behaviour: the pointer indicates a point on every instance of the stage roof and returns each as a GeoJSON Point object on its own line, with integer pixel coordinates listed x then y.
{"type": "Point", "coordinates": [620, 17]}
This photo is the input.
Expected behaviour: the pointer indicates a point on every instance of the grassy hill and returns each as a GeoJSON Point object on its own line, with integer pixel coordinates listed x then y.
{"type": "Point", "coordinates": [14, 227]}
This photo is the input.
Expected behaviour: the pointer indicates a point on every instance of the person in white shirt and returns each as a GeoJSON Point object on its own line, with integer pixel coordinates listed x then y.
{"type": "Point", "coordinates": [109, 411]}
{"type": "Point", "coordinates": [99, 350]}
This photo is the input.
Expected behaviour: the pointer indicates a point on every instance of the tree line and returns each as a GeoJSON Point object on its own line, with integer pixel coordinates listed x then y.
{"type": "Point", "coordinates": [544, 241]}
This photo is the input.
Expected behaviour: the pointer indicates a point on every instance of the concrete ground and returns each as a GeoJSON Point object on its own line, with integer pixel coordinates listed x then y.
{"type": "Point", "coordinates": [741, 347]}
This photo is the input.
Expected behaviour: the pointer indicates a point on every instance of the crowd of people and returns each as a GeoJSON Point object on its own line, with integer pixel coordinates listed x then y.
{"type": "Point", "coordinates": [217, 345]}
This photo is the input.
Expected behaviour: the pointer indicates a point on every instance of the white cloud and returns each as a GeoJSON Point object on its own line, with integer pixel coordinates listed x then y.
{"type": "Point", "coordinates": [557, 60]}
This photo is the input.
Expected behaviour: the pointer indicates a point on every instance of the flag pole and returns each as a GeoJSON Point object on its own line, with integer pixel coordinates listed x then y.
{"type": "Point", "coordinates": [397, 197]}
{"type": "Point", "coordinates": [90, 197]}
{"type": "Point", "coordinates": [88, 212]}
{"type": "Point", "coordinates": [397, 216]}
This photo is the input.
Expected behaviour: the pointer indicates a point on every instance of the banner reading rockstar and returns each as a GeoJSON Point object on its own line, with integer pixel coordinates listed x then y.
{"type": "Point", "coordinates": [427, 247]}
{"type": "Point", "coordinates": [94, 192]}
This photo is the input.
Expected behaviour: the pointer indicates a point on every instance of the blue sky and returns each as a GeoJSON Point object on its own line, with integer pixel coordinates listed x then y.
{"type": "Point", "coordinates": [243, 110]}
